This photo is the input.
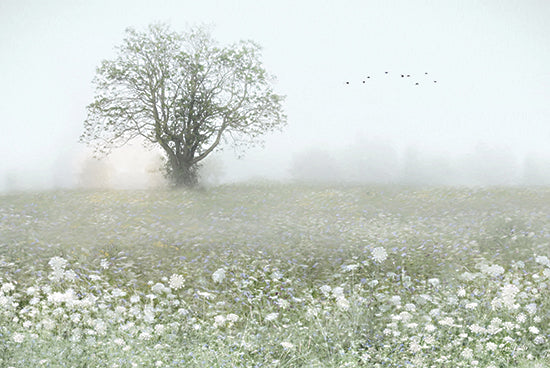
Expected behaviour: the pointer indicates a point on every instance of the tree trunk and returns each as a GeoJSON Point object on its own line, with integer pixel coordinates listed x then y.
{"type": "Point", "coordinates": [183, 174]}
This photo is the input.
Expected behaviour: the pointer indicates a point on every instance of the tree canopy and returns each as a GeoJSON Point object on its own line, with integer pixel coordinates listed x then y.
{"type": "Point", "coordinates": [184, 93]}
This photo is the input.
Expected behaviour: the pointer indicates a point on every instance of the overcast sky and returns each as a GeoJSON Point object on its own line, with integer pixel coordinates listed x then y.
{"type": "Point", "coordinates": [491, 60]}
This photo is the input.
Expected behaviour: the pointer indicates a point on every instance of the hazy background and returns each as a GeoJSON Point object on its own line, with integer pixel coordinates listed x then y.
{"type": "Point", "coordinates": [486, 120]}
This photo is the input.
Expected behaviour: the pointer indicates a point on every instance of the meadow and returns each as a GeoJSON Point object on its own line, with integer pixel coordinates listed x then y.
{"type": "Point", "coordinates": [276, 275]}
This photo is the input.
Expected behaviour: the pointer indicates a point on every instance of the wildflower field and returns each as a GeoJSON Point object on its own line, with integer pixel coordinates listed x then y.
{"type": "Point", "coordinates": [275, 275]}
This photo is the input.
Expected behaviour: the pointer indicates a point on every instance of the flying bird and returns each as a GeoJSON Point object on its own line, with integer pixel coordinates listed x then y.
{"type": "Point", "coordinates": [364, 81]}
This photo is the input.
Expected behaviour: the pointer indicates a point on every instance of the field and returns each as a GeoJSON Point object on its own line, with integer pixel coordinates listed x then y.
{"type": "Point", "coordinates": [274, 275]}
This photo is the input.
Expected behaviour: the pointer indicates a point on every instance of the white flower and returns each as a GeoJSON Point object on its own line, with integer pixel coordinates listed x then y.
{"type": "Point", "coordinates": [271, 316]}
{"type": "Point", "coordinates": [176, 281]}
{"type": "Point", "coordinates": [205, 294]}
{"type": "Point", "coordinates": [396, 299]}
{"type": "Point", "coordinates": [338, 292]}
{"type": "Point", "coordinates": [447, 321]}
{"type": "Point", "coordinates": [493, 270]}
{"type": "Point", "coordinates": [365, 357]}
{"type": "Point", "coordinates": [415, 347]}
{"type": "Point", "coordinates": [95, 277]}
{"type": "Point", "coordinates": [70, 275]}
{"type": "Point", "coordinates": [219, 320]}
{"type": "Point", "coordinates": [326, 289]}
{"type": "Point", "coordinates": [117, 293]}
{"type": "Point", "coordinates": [534, 330]}
{"type": "Point", "coordinates": [58, 263]}
{"type": "Point", "coordinates": [104, 264]}
{"type": "Point", "coordinates": [287, 345]}
{"type": "Point", "coordinates": [231, 317]}
{"type": "Point", "coordinates": [405, 316]}
{"type": "Point", "coordinates": [491, 346]}
{"type": "Point", "coordinates": [342, 303]}
{"type": "Point", "coordinates": [434, 282]}
{"type": "Point", "coordinates": [509, 291]}
{"type": "Point", "coordinates": [521, 318]}
{"type": "Point", "coordinates": [219, 275]}
{"type": "Point", "coordinates": [477, 329]}
{"type": "Point", "coordinates": [283, 303]}
{"type": "Point", "coordinates": [531, 308]}
{"type": "Point", "coordinates": [18, 337]}
{"type": "Point", "coordinates": [159, 329]}
{"type": "Point", "coordinates": [312, 312]}
{"type": "Point", "coordinates": [7, 287]}
{"type": "Point", "coordinates": [430, 328]}
{"type": "Point", "coordinates": [467, 353]}
{"type": "Point", "coordinates": [159, 288]}
{"type": "Point", "coordinates": [379, 254]}
{"type": "Point", "coordinates": [543, 260]}
{"type": "Point", "coordinates": [461, 292]}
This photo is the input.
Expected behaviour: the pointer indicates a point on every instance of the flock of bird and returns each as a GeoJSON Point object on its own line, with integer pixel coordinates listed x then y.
{"type": "Point", "coordinates": [416, 83]}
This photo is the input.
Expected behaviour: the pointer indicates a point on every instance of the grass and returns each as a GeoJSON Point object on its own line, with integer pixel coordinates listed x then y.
{"type": "Point", "coordinates": [325, 276]}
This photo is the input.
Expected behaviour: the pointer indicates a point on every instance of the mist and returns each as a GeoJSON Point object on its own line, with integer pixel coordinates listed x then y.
{"type": "Point", "coordinates": [364, 162]}
{"type": "Point", "coordinates": [352, 118]}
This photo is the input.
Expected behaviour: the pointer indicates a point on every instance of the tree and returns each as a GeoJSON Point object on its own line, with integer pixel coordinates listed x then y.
{"type": "Point", "coordinates": [184, 93]}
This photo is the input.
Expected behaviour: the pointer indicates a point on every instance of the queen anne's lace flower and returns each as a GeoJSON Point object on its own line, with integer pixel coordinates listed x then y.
{"type": "Point", "coordinates": [326, 289]}
{"type": "Point", "coordinates": [176, 281]}
{"type": "Point", "coordinates": [379, 254]}
{"type": "Point", "coordinates": [219, 275]}
{"type": "Point", "coordinates": [57, 263]}
{"type": "Point", "coordinates": [342, 303]}
{"type": "Point", "coordinates": [287, 345]}
{"type": "Point", "coordinates": [543, 260]}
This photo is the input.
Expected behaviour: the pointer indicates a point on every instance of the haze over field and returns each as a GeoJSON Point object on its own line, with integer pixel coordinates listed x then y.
{"type": "Point", "coordinates": [486, 120]}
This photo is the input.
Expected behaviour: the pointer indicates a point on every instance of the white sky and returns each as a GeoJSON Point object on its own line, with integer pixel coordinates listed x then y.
{"type": "Point", "coordinates": [491, 60]}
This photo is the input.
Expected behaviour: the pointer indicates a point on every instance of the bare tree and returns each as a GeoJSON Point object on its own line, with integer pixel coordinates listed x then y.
{"type": "Point", "coordinates": [185, 93]}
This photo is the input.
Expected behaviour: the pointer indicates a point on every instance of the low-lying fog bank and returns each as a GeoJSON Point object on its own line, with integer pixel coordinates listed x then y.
{"type": "Point", "coordinates": [375, 163]}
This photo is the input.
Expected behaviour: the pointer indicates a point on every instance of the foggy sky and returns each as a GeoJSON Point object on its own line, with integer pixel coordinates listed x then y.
{"type": "Point", "coordinates": [490, 104]}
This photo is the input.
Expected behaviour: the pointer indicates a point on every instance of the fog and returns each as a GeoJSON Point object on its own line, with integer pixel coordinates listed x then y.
{"type": "Point", "coordinates": [485, 122]}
